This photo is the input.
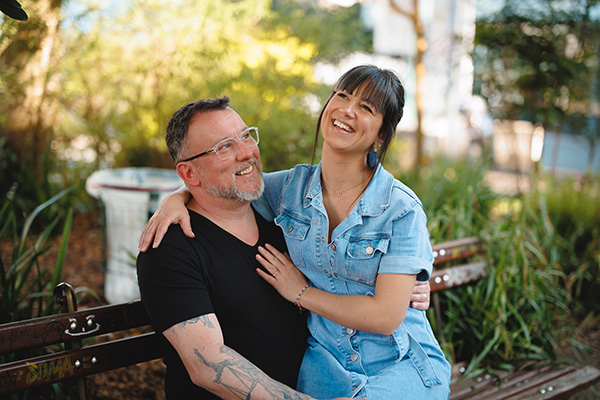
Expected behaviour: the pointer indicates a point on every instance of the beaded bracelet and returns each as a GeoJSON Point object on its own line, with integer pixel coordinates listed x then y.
{"type": "Point", "coordinates": [297, 302]}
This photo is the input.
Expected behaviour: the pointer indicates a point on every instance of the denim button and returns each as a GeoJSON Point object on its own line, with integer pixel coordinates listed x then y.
{"type": "Point", "coordinates": [333, 247]}
{"type": "Point", "coordinates": [349, 331]}
{"type": "Point", "coordinates": [353, 357]}
{"type": "Point", "coordinates": [369, 250]}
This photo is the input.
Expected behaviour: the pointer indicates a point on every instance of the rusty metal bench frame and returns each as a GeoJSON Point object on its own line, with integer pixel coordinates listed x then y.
{"type": "Point", "coordinates": [547, 382]}
{"type": "Point", "coordinates": [75, 361]}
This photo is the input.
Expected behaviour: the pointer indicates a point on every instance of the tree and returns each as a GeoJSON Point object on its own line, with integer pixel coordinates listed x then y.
{"type": "Point", "coordinates": [28, 57]}
{"type": "Point", "coordinates": [108, 78]}
{"type": "Point", "coordinates": [538, 61]}
{"type": "Point", "coordinates": [124, 74]}
{"type": "Point", "coordinates": [420, 70]}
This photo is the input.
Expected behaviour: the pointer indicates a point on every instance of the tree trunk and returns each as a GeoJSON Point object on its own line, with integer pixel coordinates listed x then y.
{"type": "Point", "coordinates": [420, 72]}
{"type": "Point", "coordinates": [593, 144]}
{"type": "Point", "coordinates": [27, 61]}
{"type": "Point", "coordinates": [557, 135]}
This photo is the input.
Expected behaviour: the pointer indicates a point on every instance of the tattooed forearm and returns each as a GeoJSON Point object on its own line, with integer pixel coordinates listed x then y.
{"type": "Point", "coordinates": [203, 319]}
{"type": "Point", "coordinates": [244, 380]}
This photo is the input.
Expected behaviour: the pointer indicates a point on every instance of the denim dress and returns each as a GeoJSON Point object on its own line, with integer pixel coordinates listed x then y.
{"type": "Point", "coordinates": [385, 233]}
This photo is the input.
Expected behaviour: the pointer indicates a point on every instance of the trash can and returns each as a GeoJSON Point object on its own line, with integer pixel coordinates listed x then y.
{"type": "Point", "coordinates": [129, 196]}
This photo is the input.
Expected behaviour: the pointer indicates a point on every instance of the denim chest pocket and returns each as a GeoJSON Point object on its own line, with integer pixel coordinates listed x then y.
{"type": "Point", "coordinates": [362, 258]}
{"type": "Point", "coordinates": [295, 230]}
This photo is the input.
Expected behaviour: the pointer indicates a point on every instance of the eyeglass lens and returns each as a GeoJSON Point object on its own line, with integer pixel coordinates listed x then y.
{"type": "Point", "coordinates": [228, 147]}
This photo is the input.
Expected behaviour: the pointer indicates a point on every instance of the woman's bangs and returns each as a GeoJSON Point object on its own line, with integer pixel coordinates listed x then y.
{"type": "Point", "coordinates": [369, 88]}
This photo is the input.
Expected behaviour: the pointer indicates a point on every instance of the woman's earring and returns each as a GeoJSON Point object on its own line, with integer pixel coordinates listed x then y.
{"type": "Point", "coordinates": [372, 158]}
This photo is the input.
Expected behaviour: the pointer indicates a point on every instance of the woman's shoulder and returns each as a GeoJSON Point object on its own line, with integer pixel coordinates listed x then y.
{"type": "Point", "coordinates": [398, 190]}
{"type": "Point", "coordinates": [300, 170]}
{"type": "Point", "coordinates": [402, 191]}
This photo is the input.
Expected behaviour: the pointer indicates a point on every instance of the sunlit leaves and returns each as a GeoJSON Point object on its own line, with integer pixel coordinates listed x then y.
{"type": "Point", "coordinates": [127, 71]}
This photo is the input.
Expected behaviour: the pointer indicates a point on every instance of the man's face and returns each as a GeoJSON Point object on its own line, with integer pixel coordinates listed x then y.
{"type": "Point", "coordinates": [238, 178]}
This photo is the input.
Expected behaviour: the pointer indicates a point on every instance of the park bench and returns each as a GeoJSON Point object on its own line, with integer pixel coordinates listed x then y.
{"type": "Point", "coordinates": [544, 382]}
{"type": "Point", "coordinates": [70, 329]}
{"type": "Point", "coordinates": [75, 359]}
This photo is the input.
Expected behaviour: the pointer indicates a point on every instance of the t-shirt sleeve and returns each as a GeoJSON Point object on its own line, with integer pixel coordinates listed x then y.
{"type": "Point", "coordinates": [409, 251]}
{"type": "Point", "coordinates": [172, 284]}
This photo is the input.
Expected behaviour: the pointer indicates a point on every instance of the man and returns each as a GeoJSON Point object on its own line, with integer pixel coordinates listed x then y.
{"type": "Point", "coordinates": [204, 294]}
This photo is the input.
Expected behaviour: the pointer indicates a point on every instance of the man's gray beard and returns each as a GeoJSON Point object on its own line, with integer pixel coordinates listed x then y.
{"type": "Point", "coordinates": [232, 192]}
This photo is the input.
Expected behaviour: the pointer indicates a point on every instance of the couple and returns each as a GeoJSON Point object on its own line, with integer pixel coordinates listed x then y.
{"type": "Point", "coordinates": [357, 235]}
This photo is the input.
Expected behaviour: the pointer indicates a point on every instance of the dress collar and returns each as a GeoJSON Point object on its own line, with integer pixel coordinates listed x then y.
{"type": "Point", "coordinates": [374, 200]}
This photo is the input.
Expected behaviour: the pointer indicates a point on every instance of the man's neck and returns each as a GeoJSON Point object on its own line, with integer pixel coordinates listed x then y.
{"type": "Point", "coordinates": [233, 216]}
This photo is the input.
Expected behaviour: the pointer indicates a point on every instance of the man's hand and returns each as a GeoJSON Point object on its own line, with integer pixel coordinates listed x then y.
{"type": "Point", "coordinates": [171, 210]}
{"type": "Point", "coordinates": [421, 296]}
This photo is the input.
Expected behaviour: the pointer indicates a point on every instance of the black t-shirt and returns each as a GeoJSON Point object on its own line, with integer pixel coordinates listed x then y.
{"type": "Point", "coordinates": [216, 273]}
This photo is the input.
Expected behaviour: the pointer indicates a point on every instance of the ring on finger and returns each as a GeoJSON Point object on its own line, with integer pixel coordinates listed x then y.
{"type": "Point", "coordinates": [275, 274]}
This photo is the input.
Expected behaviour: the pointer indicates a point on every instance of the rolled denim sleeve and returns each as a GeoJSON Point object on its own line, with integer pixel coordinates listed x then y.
{"type": "Point", "coordinates": [409, 251]}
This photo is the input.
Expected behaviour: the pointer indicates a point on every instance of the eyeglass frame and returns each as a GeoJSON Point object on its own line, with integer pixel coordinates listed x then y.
{"type": "Point", "coordinates": [236, 139]}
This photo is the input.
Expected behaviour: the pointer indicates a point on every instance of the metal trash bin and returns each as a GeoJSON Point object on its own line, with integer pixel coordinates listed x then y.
{"type": "Point", "coordinates": [129, 196]}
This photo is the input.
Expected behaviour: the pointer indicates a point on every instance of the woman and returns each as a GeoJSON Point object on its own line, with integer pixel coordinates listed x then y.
{"type": "Point", "coordinates": [360, 238]}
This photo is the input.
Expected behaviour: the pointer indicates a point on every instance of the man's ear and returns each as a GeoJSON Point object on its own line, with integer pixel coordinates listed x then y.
{"type": "Point", "coordinates": [187, 174]}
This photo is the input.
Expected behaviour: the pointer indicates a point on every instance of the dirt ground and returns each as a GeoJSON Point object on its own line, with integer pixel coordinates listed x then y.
{"type": "Point", "coordinates": [84, 267]}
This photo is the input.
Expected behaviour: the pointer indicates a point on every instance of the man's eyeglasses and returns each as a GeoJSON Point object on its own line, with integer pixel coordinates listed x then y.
{"type": "Point", "coordinates": [227, 148]}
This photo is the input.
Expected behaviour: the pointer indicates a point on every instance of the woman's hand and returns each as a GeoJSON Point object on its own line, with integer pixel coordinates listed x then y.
{"type": "Point", "coordinates": [282, 273]}
{"type": "Point", "coordinates": [420, 296]}
{"type": "Point", "coordinates": [171, 210]}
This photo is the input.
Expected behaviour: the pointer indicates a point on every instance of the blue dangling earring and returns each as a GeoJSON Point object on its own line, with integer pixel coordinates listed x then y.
{"type": "Point", "coordinates": [372, 158]}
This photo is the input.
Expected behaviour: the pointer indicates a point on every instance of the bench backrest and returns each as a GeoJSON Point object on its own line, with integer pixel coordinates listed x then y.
{"type": "Point", "coordinates": [70, 328]}
{"type": "Point", "coordinates": [457, 254]}
{"type": "Point", "coordinates": [456, 263]}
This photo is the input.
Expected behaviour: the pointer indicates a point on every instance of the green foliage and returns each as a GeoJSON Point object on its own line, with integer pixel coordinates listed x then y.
{"type": "Point", "coordinates": [539, 63]}
{"type": "Point", "coordinates": [125, 72]}
{"type": "Point", "coordinates": [573, 206]}
{"type": "Point", "coordinates": [26, 190]}
{"type": "Point", "coordinates": [454, 196]}
{"type": "Point", "coordinates": [542, 255]}
{"type": "Point", "coordinates": [26, 284]}
{"type": "Point", "coordinates": [308, 21]}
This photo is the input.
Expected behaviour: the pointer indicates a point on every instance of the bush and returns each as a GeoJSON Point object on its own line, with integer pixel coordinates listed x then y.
{"type": "Point", "coordinates": [543, 257]}
{"type": "Point", "coordinates": [26, 289]}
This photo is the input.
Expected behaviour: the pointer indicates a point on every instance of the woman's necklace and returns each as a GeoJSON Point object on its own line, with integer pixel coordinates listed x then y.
{"type": "Point", "coordinates": [339, 193]}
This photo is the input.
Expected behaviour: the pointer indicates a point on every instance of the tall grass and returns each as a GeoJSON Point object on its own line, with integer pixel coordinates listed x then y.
{"type": "Point", "coordinates": [26, 284]}
{"type": "Point", "coordinates": [542, 255]}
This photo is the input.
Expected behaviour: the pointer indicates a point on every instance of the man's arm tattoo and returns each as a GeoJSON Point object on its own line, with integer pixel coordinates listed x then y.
{"type": "Point", "coordinates": [248, 377]}
{"type": "Point", "coordinates": [203, 319]}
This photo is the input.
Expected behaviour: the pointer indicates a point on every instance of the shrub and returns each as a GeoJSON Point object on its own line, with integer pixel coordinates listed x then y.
{"type": "Point", "coordinates": [542, 251]}
{"type": "Point", "coordinates": [26, 289]}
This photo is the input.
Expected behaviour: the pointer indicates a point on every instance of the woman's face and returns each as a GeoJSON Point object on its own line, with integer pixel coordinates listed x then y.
{"type": "Point", "coordinates": [350, 123]}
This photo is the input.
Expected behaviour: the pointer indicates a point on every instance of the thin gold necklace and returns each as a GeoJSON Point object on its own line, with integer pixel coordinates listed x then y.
{"type": "Point", "coordinates": [339, 193]}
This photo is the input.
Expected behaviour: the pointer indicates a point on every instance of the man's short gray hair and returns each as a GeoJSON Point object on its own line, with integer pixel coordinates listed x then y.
{"type": "Point", "coordinates": [178, 125]}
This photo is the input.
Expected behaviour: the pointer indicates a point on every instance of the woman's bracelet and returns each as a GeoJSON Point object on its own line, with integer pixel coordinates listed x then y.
{"type": "Point", "coordinates": [297, 302]}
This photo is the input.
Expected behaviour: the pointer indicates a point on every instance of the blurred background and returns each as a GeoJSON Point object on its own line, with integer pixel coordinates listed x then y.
{"type": "Point", "coordinates": [500, 137]}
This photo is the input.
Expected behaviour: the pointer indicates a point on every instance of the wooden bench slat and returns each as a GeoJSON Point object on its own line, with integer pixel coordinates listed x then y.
{"type": "Point", "coordinates": [464, 389]}
{"type": "Point", "coordinates": [45, 331]}
{"type": "Point", "coordinates": [564, 386]}
{"type": "Point", "coordinates": [458, 275]}
{"type": "Point", "coordinates": [69, 364]}
{"type": "Point", "coordinates": [523, 380]}
{"type": "Point", "coordinates": [457, 250]}
{"type": "Point", "coordinates": [543, 383]}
